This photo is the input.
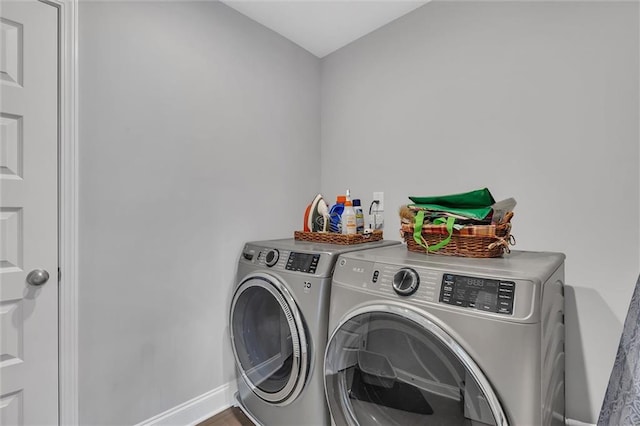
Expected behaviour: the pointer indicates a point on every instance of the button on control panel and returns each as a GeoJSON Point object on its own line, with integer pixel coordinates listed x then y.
{"type": "Point", "coordinates": [406, 281]}
{"type": "Point", "coordinates": [272, 257]}
{"type": "Point", "coordinates": [484, 294]}
{"type": "Point", "coordinates": [506, 293]}
{"type": "Point", "coordinates": [248, 255]}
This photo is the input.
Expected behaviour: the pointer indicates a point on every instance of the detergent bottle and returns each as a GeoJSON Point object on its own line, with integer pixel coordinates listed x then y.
{"type": "Point", "coordinates": [359, 216]}
{"type": "Point", "coordinates": [335, 215]}
{"type": "Point", "coordinates": [348, 218]}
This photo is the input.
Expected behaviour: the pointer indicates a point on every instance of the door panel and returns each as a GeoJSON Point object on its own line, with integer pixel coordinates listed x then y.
{"type": "Point", "coordinates": [268, 339]}
{"type": "Point", "coordinates": [384, 367]}
{"type": "Point", "coordinates": [11, 46]}
{"type": "Point", "coordinates": [28, 212]}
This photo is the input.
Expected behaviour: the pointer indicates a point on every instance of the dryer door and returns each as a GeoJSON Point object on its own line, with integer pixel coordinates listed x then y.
{"type": "Point", "coordinates": [390, 365]}
{"type": "Point", "coordinates": [268, 339]}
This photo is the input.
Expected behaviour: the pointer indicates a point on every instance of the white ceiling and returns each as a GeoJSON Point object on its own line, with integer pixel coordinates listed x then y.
{"type": "Point", "coordinates": [323, 26]}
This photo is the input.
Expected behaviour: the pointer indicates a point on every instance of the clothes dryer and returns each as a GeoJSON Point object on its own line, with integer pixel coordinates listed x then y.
{"type": "Point", "coordinates": [438, 340]}
{"type": "Point", "coordinates": [278, 327]}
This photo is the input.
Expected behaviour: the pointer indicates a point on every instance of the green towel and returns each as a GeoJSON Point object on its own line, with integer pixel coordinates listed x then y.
{"type": "Point", "coordinates": [474, 204]}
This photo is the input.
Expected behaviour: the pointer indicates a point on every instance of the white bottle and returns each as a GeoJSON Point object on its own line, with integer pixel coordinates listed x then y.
{"type": "Point", "coordinates": [359, 216]}
{"type": "Point", "coordinates": [348, 219]}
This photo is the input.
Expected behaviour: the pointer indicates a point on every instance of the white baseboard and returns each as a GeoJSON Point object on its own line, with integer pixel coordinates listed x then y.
{"type": "Point", "coordinates": [197, 409]}
{"type": "Point", "coordinates": [572, 422]}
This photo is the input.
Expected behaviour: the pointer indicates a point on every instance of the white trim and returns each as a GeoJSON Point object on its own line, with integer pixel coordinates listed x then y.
{"type": "Point", "coordinates": [68, 211]}
{"type": "Point", "coordinates": [197, 409]}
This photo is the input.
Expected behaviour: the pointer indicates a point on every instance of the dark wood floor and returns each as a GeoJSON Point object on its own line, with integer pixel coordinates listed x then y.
{"type": "Point", "coordinates": [232, 416]}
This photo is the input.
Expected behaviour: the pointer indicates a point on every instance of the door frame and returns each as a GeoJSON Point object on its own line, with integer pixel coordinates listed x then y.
{"type": "Point", "coordinates": [67, 210]}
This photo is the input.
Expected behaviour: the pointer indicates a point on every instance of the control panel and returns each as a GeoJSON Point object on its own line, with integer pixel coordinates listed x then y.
{"type": "Point", "coordinates": [487, 295]}
{"type": "Point", "coordinates": [303, 262]}
{"type": "Point", "coordinates": [479, 295]}
{"type": "Point", "coordinates": [280, 259]}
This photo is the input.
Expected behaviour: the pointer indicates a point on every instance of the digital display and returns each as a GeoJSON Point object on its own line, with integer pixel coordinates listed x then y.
{"type": "Point", "coordinates": [303, 262]}
{"type": "Point", "coordinates": [484, 294]}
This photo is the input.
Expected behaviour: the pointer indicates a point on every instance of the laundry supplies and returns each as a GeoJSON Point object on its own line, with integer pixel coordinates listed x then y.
{"type": "Point", "coordinates": [348, 219]}
{"type": "Point", "coordinates": [335, 214]}
{"type": "Point", "coordinates": [359, 216]}
{"type": "Point", "coordinates": [342, 224]}
{"type": "Point", "coordinates": [469, 224]}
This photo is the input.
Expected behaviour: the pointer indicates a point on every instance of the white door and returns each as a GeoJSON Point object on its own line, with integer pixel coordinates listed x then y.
{"type": "Point", "coordinates": [28, 213]}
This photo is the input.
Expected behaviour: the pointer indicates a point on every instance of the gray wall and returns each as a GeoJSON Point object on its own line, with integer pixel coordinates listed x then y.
{"type": "Point", "coordinates": [195, 124]}
{"type": "Point", "coordinates": [199, 130]}
{"type": "Point", "coordinates": [538, 101]}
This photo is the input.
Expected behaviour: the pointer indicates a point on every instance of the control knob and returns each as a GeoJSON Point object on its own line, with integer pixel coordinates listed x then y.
{"type": "Point", "coordinates": [272, 257]}
{"type": "Point", "coordinates": [406, 281]}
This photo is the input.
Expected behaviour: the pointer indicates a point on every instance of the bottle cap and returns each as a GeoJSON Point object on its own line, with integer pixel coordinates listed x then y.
{"type": "Point", "coordinates": [341, 199]}
{"type": "Point", "coordinates": [348, 203]}
{"type": "Point", "coordinates": [356, 202]}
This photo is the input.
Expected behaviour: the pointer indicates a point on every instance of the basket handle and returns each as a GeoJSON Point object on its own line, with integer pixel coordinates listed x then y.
{"type": "Point", "coordinates": [417, 232]}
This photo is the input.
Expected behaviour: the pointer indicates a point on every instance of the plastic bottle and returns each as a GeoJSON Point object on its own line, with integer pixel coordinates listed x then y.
{"type": "Point", "coordinates": [359, 216]}
{"type": "Point", "coordinates": [348, 219]}
{"type": "Point", "coordinates": [335, 214]}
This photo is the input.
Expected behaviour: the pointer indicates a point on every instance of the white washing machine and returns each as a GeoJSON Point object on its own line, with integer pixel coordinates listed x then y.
{"type": "Point", "coordinates": [278, 327]}
{"type": "Point", "coordinates": [438, 340]}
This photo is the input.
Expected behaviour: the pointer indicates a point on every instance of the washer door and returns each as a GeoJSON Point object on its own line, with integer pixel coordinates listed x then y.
{"type": "Point", "coordinates": [268, 339]}
{"type": "Point", "coordinates": [390, 365]}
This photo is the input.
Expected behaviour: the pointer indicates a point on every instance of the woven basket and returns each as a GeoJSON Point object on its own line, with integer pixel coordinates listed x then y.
{"type": "Point", "coordinates": [334, 238]}
{"type": "Point", "coordinates": [472, 241]}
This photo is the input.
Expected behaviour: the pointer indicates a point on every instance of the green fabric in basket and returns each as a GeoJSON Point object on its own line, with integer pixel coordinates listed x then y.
{"type": "Point", "coordinates": [474, 204]}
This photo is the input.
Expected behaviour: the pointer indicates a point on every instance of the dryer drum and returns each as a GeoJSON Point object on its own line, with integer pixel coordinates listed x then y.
{"type": "Point", "coordinates": [399, 395]}
{"type": "Point", "coordinates": [385, 368]}
{"type": "Point", "coordinates": [268, 340]}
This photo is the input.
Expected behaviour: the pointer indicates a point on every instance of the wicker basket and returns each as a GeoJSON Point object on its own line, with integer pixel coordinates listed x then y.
{"type": "Point", "coordinates": [334, 238]}
{"type": "Point", "coordinates": [471, 241]}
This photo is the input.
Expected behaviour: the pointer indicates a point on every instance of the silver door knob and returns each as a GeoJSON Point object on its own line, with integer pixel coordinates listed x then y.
{"type": "Point", "coordinates": [38, 277]}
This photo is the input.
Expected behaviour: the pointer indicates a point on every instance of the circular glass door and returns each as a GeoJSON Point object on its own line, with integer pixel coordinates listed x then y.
{"type": "Point", "coordinates": [388, 365]}
{"type": "Point", "coordinates": [268, 339]}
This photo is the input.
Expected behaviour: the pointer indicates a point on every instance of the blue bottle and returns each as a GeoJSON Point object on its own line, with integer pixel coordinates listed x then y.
{"type": "Point", "coordinates": [335, 215]}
